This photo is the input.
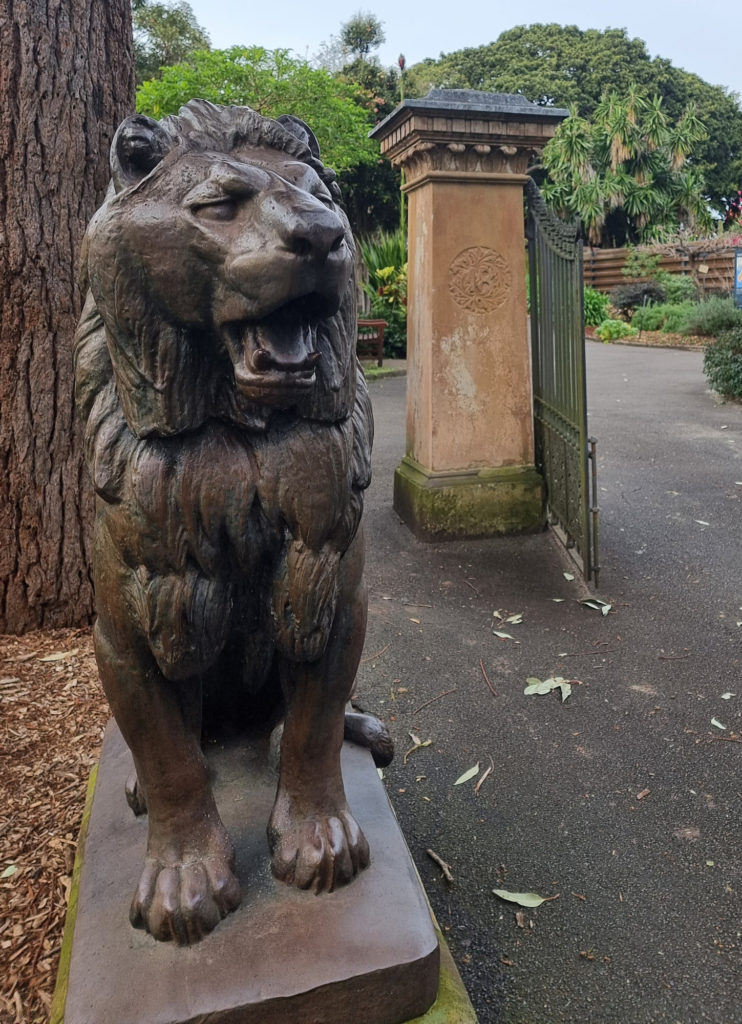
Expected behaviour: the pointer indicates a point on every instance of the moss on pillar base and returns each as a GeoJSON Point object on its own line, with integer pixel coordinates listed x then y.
{"type": "Point", "coordinates": [452, 1006]}
{"type": "Point", "coordinates": [468, 503]}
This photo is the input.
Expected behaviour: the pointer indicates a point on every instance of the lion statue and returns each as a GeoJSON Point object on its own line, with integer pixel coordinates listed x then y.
{"type": "Point", "coordinates": [228, 434]}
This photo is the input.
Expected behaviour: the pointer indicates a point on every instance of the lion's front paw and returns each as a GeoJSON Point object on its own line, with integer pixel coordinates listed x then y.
{"type": "Point", "coordinates": [183, 895]}
{"type": "Point", "coordinates": [317, 852]}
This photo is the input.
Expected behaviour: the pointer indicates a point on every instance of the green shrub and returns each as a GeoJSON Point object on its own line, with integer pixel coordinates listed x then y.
{"type": "Point", "coordinates": [712, 317]}
{"type": "Point", "coordinates": [677, 287]}
{"type": "Point", "coordinates": [597, 306]}
{"type": "Point", "coordinates": [383, 249]}
{"type": "Point", "coordinates": [722, 363]}
{"type": "Point", "coordinates": [612, 330]}
{"type": "Point", "coordinates": [627, 297]}
{"type": "Point", "coordinates": [389, 303]}
{"type": "Point", "coordinates": [649, 318]}
{"type": "Point", "coordinates": [677, 316]}
{"type": "Point", "coordinates": [664, 317]}
{"type": "Point", "coordinates": [385, 256]}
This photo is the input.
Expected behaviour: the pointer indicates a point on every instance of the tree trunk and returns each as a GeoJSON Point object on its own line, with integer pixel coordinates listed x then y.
{"type": "Point", "coordinates": [66, 81]}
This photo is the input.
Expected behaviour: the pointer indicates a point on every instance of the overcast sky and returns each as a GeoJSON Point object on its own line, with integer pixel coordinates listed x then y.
{"type": "Point", "coordinates": [700, 37]}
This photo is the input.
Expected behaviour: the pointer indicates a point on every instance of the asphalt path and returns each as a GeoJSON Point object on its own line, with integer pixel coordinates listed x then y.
{"type": "Point", "coordinates": [622, 802]}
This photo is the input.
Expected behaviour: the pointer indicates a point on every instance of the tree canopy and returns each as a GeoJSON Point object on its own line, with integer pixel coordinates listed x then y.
{"type": "Point", "coordinates": [362, 33]}
{"type": "Point", "coordinates": [273, 82]}
{"type": "Point", "coordinates": [564, 65]}
{"type": "Point", "coordinates": [624, 172]}
{"type": "Point", "coordinates": [164, 34]}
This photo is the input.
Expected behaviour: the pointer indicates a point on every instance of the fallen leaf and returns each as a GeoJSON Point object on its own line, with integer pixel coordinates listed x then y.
{"type": "Point", "coordinates": [60, 655]}
{"type": "Point", "coordinates": [701, 522]}
{"type": "Point", "coordinates": [557, 600]}
{"type": "Point", "coordinates": [502, 636]}
{"type": "Point", "coordinates": [600, 606]}
{"type": "Point", "coordinates": [380, 773]}
{"type": "Point", "coordinates": [568, 575]}
{"type": "Point", "coordinates": [417, 745]}
{"type": "Point", "coordinates": [415, 620]}
{"type": "Point", "coordinates": [9, 871]}
{"type": "Point", "coordinates": [640, 796]}
{"type": "Point", "coordinates": [691, 833]}
{"type": "Point", "coordinates": [523, 899]}
{"type": "Point", "coordinates": [467, 775]}
{"type": "Point", "coordinates": [520, 918]}
{"type": "Point", "coordinates": [717, 723]}
{"type": "Point", "coordinates": [515, 619]}
{"type": "Point", "coordinates": [547, 685]}
{"type": "Point", "coordinates": [728, 695]}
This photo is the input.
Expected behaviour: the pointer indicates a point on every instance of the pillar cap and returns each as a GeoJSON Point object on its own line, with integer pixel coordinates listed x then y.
{"type": "Point", "coordinates": [491, 132]}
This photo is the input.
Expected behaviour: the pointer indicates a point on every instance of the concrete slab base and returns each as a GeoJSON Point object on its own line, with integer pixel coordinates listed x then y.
{"type": "Point", "coordinates": [468, 503]}
{"type": "Point", "coordinates": [367, 953]}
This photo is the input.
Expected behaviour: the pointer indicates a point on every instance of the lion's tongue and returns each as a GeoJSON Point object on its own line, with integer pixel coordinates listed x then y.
{"type": "Point", "coordinates": [278, 344]}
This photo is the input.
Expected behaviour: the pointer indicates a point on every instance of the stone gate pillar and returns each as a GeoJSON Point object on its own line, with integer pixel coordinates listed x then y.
{"type": "Point", "coordinates": [468, 470]}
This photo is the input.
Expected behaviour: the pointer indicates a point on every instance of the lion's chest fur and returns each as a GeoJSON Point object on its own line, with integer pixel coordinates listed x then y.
{"type": "Point", "coordinates": [215, 528]}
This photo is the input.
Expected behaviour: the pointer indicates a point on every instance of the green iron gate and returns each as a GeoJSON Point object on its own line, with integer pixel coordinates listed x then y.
{"type": "Point", "coordinates": [564, 454]}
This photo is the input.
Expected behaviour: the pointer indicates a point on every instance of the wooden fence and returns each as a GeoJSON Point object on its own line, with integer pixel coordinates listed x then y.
{"type": "Point", "coordinates": [712, 269]}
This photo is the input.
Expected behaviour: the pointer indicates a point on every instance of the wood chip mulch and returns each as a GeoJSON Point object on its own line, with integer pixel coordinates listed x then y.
{"type": "Point", "coordinates": [52, 714]}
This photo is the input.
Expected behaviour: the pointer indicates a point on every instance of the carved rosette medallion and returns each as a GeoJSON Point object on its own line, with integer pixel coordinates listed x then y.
{"type": "Point", "coordinates": [479, 279]}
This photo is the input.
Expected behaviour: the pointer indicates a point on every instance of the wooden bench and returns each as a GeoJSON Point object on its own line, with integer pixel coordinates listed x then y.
{"type": "Point", "coordinates": [370, 340]}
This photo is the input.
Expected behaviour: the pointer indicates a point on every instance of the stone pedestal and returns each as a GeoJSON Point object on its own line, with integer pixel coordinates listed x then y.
{"type": "Point", "coordinates": [367, 953]}
{"type": "Point", "coordinates": [469, 467]}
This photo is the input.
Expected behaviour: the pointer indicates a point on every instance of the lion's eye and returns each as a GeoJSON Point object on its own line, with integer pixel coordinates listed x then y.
{"type": "Point", "coordinates": [221, 209]}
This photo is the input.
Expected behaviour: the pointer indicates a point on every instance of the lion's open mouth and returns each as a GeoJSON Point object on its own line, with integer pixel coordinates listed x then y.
{"type": "Point", "coordinates": [275, 357]}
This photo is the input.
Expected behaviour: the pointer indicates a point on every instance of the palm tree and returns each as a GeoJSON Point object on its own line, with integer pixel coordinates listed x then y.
{"type": "Point", "coordinates": [625, 173]}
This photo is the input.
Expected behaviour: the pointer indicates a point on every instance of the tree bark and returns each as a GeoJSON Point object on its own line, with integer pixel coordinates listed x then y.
{"type": "Point", "coordinates": [66, 81]}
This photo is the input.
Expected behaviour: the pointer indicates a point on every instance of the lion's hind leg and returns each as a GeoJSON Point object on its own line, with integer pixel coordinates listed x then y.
{"type": "Point", "coordinates": [187, 883]}
{"type": "Point", "coordinates": [315, 841]}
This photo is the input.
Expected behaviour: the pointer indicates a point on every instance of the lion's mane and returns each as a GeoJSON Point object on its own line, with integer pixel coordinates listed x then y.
{"type": "Point", "coordinates": [197, 485]}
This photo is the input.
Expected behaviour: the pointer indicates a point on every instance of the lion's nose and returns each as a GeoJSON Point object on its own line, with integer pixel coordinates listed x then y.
{"type": "Point", "coordinates": [313, 235]}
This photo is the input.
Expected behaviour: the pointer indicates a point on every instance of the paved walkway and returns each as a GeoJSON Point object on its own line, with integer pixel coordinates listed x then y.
{"type": "Point", "coordinates": [624, 800]}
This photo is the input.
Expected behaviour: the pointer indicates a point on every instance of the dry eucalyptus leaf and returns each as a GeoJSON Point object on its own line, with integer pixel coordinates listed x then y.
{"type": "Point", "coordinates": [59, 655]}
{"type": "Point", "coordinates": [467, 775]}
{"type": "Point", "coordinates": [523, 899]}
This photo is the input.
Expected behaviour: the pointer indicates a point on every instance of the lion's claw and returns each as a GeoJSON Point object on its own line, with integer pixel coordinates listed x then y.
{"type": "Point", "coordinates": [183, 901]}
{"type": "Point", "coordinates": [319, 853]}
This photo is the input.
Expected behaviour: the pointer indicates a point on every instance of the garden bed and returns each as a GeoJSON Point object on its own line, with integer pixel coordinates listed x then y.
{"type": "Point", "coordinates": [657, 339]}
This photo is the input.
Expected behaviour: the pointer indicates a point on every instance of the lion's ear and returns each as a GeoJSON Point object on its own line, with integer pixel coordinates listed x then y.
{"type": "Point", "coordinates": [300, 130]}
{"type": "Point", "coordinates": [138, 146]}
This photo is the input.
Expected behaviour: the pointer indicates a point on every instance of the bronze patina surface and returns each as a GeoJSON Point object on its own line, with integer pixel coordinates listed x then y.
{"type": "Point", "coordinates": [366, 954]}
{"type": "Point", "coordinates": [228, 433]}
